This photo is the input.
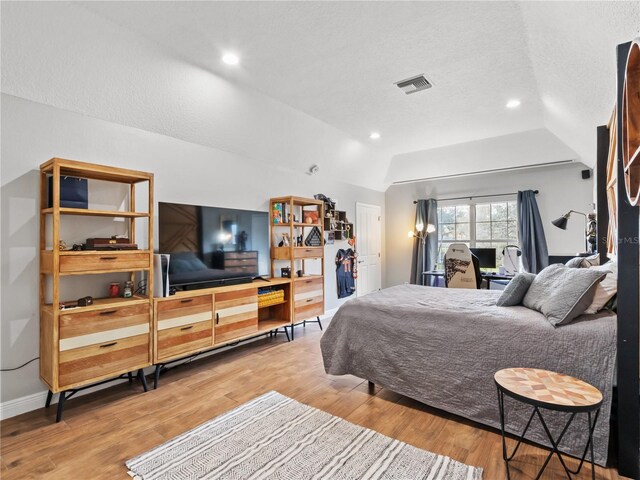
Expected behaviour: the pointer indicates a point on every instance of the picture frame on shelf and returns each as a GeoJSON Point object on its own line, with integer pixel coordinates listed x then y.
{"type": "Point", "coordinates": [331, 238]}
{"type": "Point", "coordinates": [310, 217]}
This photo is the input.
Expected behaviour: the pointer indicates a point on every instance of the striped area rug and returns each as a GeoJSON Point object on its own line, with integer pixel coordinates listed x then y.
{"type": "Point", "coordinates": [274, 436]}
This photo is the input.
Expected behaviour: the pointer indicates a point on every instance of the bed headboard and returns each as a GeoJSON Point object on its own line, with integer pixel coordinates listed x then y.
{"type": "Point", "coordinates": [603, 204]}
{"type": "Point", "coordinates": [628, 317]}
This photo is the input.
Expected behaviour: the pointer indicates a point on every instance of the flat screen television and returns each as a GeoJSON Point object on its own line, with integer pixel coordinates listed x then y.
{"type": "Point", "coordinates": [211, 246]}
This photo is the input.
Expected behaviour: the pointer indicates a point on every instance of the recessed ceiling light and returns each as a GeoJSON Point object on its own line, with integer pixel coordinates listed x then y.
{"type": "Point", "coordinates": [374, 136]}
{"type": "Point", "coordinates": [230, 59]}
{"type": "Point", "coordinates": [513, 103]}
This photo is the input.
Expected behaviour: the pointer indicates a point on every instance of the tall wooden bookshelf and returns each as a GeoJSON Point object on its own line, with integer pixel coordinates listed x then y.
{"type": "Point", "coordinates": [88, 345]}
{"type": "Point", "coordinates": [289, 219]}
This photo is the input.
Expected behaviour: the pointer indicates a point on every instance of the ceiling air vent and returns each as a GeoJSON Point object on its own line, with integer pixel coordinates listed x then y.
{"type": "Point", "coordinates": [413, 84]}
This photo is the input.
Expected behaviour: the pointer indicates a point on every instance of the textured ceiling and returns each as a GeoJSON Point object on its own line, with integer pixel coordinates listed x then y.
{"type": "Point", "coordinates": [572, 49]}
{"type": "Point", "coordinates": [337, 62]}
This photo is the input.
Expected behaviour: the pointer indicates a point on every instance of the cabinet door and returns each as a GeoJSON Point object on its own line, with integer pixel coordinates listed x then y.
{"type": "Point", "coordinates": [99, 343]}
{"type": "Point", "coordinates": [184, 326]}
{"type": "Point", "coordinates": [308, 298]}
{"type": "Point", "coordinates": [236, 314]}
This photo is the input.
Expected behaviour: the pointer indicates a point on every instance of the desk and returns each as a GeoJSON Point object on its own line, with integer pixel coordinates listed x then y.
{"type": "Point", "coordinates": [488, 276]}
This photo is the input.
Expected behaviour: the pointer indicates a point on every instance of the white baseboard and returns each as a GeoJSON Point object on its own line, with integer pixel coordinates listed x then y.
{"type": "Point", "coordinates": [29, 403]}
{"type": "Point", "coordinates": [32, 402]}
{"type": "Point", "coordinates": [21, 405]}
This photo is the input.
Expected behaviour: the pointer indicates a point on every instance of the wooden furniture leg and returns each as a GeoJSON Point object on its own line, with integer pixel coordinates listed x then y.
{"type": "Point", "coordinates": [143, 379]}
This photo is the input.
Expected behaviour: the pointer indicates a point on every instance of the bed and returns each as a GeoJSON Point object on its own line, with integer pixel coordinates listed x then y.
{"type": "Point", "coordinates": [443, 346]}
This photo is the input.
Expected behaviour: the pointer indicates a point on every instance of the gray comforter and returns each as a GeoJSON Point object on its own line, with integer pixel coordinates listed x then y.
{"type": "Point", "coordinates": [442, 347]}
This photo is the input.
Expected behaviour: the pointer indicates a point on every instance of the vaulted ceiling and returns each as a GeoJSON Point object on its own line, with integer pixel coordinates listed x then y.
{"type": "Point", "coordinates": [338, 61]}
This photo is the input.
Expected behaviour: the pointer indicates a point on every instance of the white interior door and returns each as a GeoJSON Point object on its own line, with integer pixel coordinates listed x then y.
{"type": "Point", "coordinates": [369, 239]}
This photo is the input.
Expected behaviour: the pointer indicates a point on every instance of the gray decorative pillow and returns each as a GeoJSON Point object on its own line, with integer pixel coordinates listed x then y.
{"type": "Point", "coordinates": [575, 262]}
{"type": "Point", "coordinates": [561, 293]}
{"type": "Point", "coordinates": [516, 290]}
{"type": "Point", "coordinates": [584, 262]}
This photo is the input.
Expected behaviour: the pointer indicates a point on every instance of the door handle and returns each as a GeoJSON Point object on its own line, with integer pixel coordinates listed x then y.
{"type": "Point", "coordinates": [108, 345]}
{"type": "Point", "coordinates": [360, 261]}
{"type": "Point", "coordinates": [108, 258]}
{"type": "Point", "coordinates": [108, 312]}
{"type": "Point", "coordinates": [217, 318]}
{"type": "Point", "coordinates": [187, 328]}
{"type": "Point", "coordinates": [186, 300]}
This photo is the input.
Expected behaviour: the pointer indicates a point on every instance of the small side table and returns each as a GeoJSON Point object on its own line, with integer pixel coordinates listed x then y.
{"type": "Point", "coordinates": [551, 391]}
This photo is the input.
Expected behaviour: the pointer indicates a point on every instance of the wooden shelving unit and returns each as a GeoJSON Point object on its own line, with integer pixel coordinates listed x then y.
{"type": "Point", "coordinates": [84, 346]}
{"type": "Point", "coordinates": [338, 224]}
{"type": "Point", "coordinates": [308, 290]}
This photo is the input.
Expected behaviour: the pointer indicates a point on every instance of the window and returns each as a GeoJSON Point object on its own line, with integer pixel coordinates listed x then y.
{"type": "Point", "coordinates": [481, 225]}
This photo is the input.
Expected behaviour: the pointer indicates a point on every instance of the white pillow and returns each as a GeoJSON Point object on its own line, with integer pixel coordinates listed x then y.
{"type": "Point", "coordinates": [606, 289]}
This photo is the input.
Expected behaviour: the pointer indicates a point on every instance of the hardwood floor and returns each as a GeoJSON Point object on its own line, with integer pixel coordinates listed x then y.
{"type": "Point", "coordinates": [102, 430]}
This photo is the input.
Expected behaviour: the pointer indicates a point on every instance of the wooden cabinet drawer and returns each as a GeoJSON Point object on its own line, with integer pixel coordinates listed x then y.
{"type": "Point", "coordinates": [308, 297]}
{"type": "Point", "coordinates": [96, 262]}
{"type": "Point", "coordinates": [93, 362]}
{"type": "Point", "coordinates": [236, 314]}
{"type": "Point", "coordinates": [80, 329]}
{"type": "Point", "coordinates": [173, 342]}
{"type": "Point", "coordinates": [183, 311]}
{"type": "Point", "coordinates": [308, 252]}
{"type": "Point", "coordinates": [306, 310]}
{"type": "Point", "coordinates": [304, 284]}
{"type": "Point", "coordinates": [303, 292]}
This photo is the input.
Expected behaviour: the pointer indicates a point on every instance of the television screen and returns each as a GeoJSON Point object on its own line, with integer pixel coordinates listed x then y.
{"type": "Point", "coordinates": [227, 242]}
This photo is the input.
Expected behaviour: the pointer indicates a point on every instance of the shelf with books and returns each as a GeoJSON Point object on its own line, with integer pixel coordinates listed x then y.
{"type": "Point", "coordinates": [298, 252]}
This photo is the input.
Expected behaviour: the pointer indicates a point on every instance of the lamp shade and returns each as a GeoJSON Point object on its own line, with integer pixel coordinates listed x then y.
{"type": "Point", "coordinates": [561, 222]}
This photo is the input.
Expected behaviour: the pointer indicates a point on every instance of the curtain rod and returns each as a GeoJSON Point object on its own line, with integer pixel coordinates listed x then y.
{"type": "Point", "coordinates": [477, 196]}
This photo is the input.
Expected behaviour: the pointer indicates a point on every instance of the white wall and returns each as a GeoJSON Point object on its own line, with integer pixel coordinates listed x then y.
{"type": "Point", "coordinates": [184, 173]}
{"type": "Point", "coordinates": [561, 189]}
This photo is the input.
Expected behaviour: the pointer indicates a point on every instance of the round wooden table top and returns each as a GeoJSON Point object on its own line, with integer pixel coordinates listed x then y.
{"type": "Point", "coordinates": [548, 388]}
